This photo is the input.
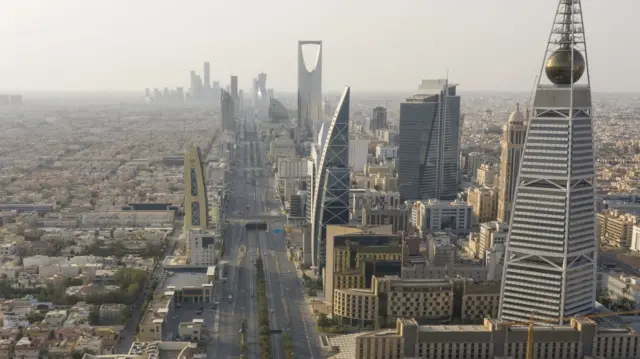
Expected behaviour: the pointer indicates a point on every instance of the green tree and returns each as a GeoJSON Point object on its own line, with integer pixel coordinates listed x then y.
{"type": "Point", "coordinates": [94, 316]}
{"type": "Point", "coordinates": [323, 320]}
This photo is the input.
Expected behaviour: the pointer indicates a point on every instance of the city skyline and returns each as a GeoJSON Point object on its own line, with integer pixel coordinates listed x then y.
{"type": "Point", "coordinates": [84, 60]}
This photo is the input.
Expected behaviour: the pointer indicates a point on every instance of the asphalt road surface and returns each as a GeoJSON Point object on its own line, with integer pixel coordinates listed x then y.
{"type": "Point", "coordinates": [252, 198]}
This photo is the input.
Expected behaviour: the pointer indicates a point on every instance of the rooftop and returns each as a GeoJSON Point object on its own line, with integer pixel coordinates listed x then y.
{"type": "Point", "coordinates": [452, 328]}
{"type": "Point", "coordinates": [181, 279]}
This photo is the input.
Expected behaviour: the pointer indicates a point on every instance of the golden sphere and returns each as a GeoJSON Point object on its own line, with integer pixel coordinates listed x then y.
{"type": "Point", "coordinates": [558, 67]}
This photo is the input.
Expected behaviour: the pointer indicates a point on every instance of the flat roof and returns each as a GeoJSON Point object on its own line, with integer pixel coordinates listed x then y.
{"type": "Point", "coordinates": [452, 328]}
{"type": "Point", "coordinates": [181, 280]}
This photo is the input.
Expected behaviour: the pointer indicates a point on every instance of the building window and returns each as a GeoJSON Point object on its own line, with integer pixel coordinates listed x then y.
{"type": "Point", "coordinates": [194, 182]}
{"type": "Point", "coordinates": [195, 213]}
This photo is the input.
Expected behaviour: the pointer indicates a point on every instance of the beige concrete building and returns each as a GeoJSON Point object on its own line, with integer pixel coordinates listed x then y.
{"type": "Point", "coordinates": [428, 300]}
{"type": "Point", "coordinates": [484, 202]}
{"type": "Point", "coordinates": [492, 234]}
{"type": "Point", "coordinates": [155, 319]}
{"type": "Point", "coordinates": [512, 144]}
{"type": "Point", "coordinates": [398, 218]}
{"type": "Point", "coordinates": [581, 338]}
{"type": "Point", "coordinates": [615, 229]}
{"type": "Point", "coordinates": [487, 174]}
{"type": "Point", "coordinates": [350, 253]}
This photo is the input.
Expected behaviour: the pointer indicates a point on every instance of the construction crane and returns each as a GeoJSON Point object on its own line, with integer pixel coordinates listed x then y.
{"type": "Point", "coordinates": [530, 325]}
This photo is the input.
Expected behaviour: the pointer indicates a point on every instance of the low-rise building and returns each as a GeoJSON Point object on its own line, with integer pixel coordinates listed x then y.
{"type": "Point", "coordinates": [155, 319]}
{"type": "Point", "coordinates": [428, 300]}
{"type": "Point", "coordinates": [27, 348]}
{"type": "Point", "coordinates": [191, 331]}
{"type": "Point", "coordinates": [581, 338]}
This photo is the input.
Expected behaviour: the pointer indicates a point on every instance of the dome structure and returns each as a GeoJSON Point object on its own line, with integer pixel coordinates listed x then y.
{"type": "Point", "coordinates": [516, 116]}
{"type": "Point", "coordinates": [558, 67]}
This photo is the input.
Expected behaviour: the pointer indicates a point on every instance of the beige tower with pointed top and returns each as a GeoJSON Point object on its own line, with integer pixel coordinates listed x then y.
{"type": "Point", "coordinates": [512, 143]}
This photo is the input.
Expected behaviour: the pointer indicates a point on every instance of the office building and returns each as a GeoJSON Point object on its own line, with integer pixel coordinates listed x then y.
{"type": "Point", "coordinates": [226, 104]}
{"type": "Point", "coordinates": [484, 202]}
{"type": "Point", "coordinates": [358, 154]}
{"type": "Point", "coordinates": [486, 174]}
{"type": "Point", "coordinates": [378, 119]}
{"type": "Point", "coordinates": [428, 300]}
{"type": "Point", "coordinates": [202, 248]}
{"type": "Point", "coordinates": [355, 254]}
{"type": "Point", "coordinates": [580, 338]}
{"type": "Point", "coordinates": [309, 90]}
{"type": "Point", "coordinates": [514, 133]}
{"type": "Point", "coordinates": [277, 112]}
{"type": "Point", "coordinates": [428, 150]}
{"type": "Point", "coordinates": [233, 91]}
{"type": "Point", "coordinates": [398, 218]}
{"type": "Point", "coordinates": [206, 90]}
{"type": "Point", "coordinates": [331, 192]}
{"type": "Point", "coordinates": [473, 161]}
{"type": "Point", "coordinates": [551, 246]}
{"type": "Point", "coordinates": [436, 216]}
{"type": "Point", "coordinates": [195, 196]}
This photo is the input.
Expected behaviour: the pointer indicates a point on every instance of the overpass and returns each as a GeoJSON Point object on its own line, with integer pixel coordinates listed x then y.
{"type": "Point", "coordinates": [263, 218]}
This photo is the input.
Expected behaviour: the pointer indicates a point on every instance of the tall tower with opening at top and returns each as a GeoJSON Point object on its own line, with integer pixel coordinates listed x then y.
{"type": "Point", "coordinates": [550, 259]}
{"type": "Point", "coordinates": [309, 88]}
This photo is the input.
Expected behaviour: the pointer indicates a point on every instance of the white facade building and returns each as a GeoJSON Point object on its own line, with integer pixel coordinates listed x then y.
{"type": "Point", "coordinates": [358, 154]}
{"type": "Point", "coordinates": [289, 167]}
{"type": "Point", "coordinates": [384, 152]}
{"type": "Point", "coordinates": [435, 216]}
{"type": "Point", "coordinates": [635, 239]}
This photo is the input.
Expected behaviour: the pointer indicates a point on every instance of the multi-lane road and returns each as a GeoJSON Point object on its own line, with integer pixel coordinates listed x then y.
{"type": "Point", "coordinates": [252, 198]}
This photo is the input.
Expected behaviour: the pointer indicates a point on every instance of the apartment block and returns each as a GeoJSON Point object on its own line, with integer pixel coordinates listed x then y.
{"type": "Point", "coordinates": [615, 229]}
{"type": "Point", "coordinates": [484, 201]}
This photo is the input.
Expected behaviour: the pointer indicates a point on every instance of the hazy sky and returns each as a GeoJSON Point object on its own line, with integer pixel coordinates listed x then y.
{"type": "Point", "coordinates": [372, 45]}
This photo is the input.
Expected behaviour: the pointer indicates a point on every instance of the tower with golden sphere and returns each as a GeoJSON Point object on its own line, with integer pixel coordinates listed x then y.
{"type": "Point", "coordinates": [550, 258]}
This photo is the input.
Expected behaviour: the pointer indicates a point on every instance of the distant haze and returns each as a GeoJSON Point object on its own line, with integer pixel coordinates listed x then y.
{"type": "Point", "coordinates": [372, 45]}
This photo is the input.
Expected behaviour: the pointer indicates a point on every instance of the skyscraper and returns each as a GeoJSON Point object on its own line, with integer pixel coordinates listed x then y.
{"type": "Point", "coordinates": [428, 151]}
{"type": "Point", "coordinates": [550, 265]}
{"type": "Point", "coordinates": [234, 95]}
{"type": "Point", "coordinates": [226, 107]}
{"type": "Point", "coordinates": [195, 196]}
{"type": "Point", "coordinates": [331, 192]}
{"type": "Point", "coordinates": [262, 84]}
{"type": "Point", "coordinates": [207, 83]}
{"type": "Point", "coordinates": [309, 89]}
{"type": "Point", "coordinates": [378, 119]}
{"type": "Point", "coordinates": [512, 141]}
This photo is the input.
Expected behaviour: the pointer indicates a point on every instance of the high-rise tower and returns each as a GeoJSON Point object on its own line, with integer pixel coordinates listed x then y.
{"type": "Point", "coordinates": [226, 107]}
{"type": "Point", "coordinates": [550, 265]}
{"type": "Point", "coordinates": [428, 151]}
{"type": "Point", "coordinates": [206, 90]}
{"type": "Point", "coordinates": [331, 192]}
{"type": "Point", "coordinates": [309, 89]}
{"type": "Point", "coordinates": [195, 196]}
{"type": "Point", "coordinates": [235, 96]}
{"type": "Point", "coordinates": [513, 136]}
{"type": "Point", "coordinates": [378, 119]}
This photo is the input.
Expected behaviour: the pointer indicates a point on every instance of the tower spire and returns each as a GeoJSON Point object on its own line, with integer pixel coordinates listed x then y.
{"type": "Point", "coordinates": [565, 60]}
